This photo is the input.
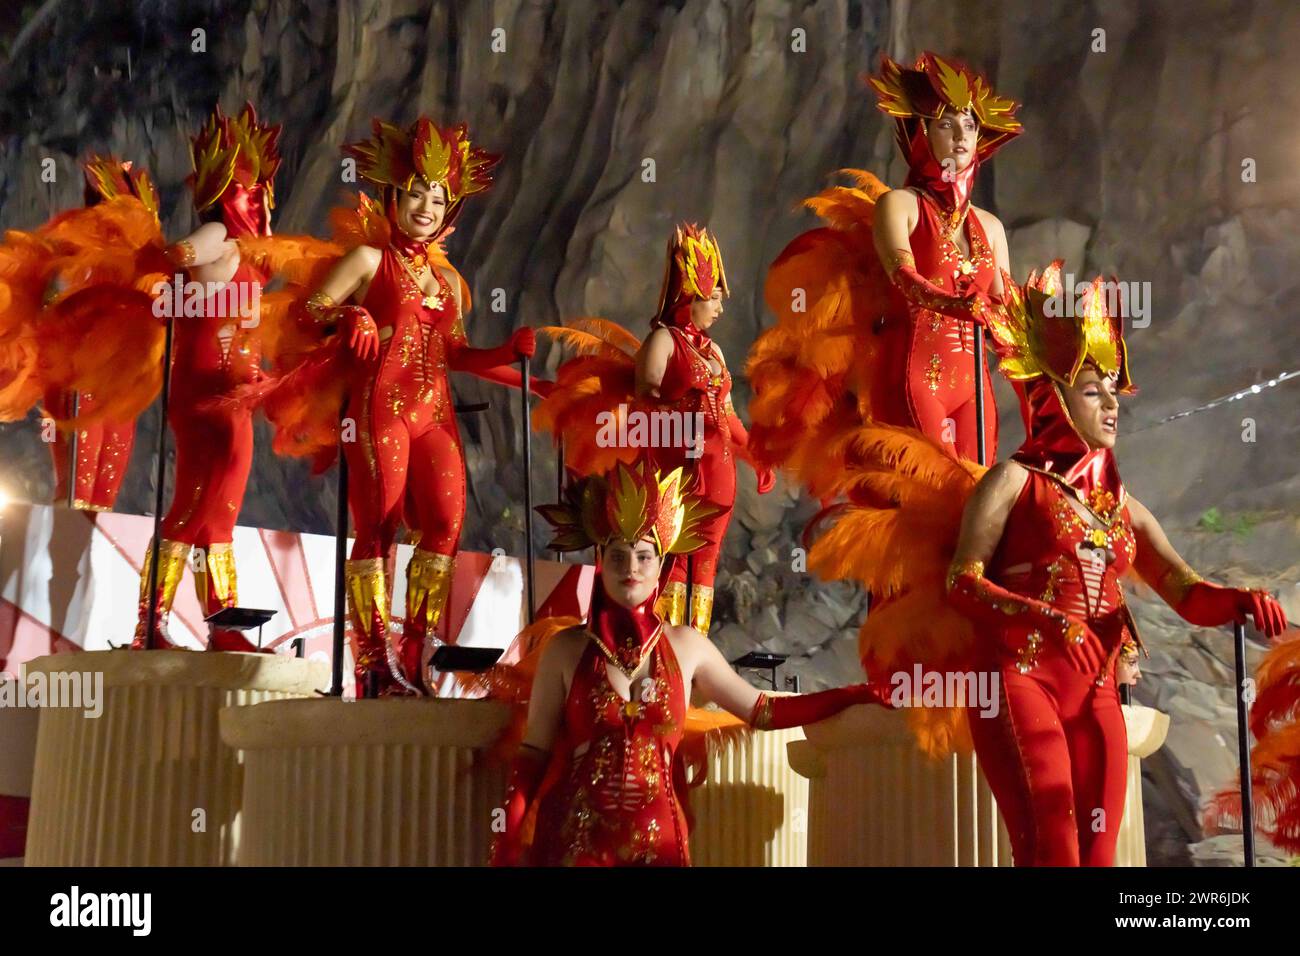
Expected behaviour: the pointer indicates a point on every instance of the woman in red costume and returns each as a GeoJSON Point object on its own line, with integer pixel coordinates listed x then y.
{"type": "Point", "coordinates": [215, 352]}
{"type": "Point", "coordinates": [1037, 546]}
{"type": "Point", "coordinates": [400, 309]}
{"type": "Point", "coordinates": [899, 278]}
{"type": "Point", "coordinates": [103, 447]}
{"type": "Point", "coordinates": [600, 761]}
{"type": "Point", "coordinates": [682, 370]}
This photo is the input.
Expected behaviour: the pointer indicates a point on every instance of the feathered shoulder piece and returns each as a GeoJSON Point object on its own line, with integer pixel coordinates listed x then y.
{"type": "Point", "coordinates": [894, 532]}
{"type": "Point", "coordinates": [594, 393]}
{"type": "Point", "coordinates": [817, 371]}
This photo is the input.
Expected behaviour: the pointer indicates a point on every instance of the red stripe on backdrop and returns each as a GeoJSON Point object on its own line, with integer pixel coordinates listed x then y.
{"type": "Point", "coordinates": [23, 638]}
{"type": "Point", "coordinates": [471, 568]}
{"type": "Point", "coordinates": [289, 566]}
{"type": "Point", "coordinates": [13, 826]}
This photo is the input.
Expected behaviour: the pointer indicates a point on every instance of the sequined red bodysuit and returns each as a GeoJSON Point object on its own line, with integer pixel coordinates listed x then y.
{"type": "Point", "coordinates": [1056, 752]}
{"type": "Point", "coordinates": [407, 458]}
{"type": "Point", "coordinates": [614, 800]}
{"type": "Point", "coordinates": [940, 351]}
{"type": "Point", "coordinates": [214, 354]}
{"type": "Point", "coordinates": [690, 388]}
{"type": "Point", "coordinates": [103, 452]}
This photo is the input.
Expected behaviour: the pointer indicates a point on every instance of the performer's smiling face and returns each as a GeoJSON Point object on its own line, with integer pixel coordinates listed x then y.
{"type": "Point", "coordinates": [421, 210]}
{"type": "Point", "coordinates": [704, 312]}
{"type": "Point", "coordinates": [629, 572]}
{"type": "Point", "coordinates": [953, 136]}
{"type": "Point", "coordinates": [1094, 407]}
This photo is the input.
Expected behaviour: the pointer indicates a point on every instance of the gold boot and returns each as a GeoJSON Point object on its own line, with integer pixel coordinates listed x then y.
{"type": "Point", "coordinates": [428, 584]}
{"type": "Point", "coordinates": [171, 568]}
{"type": "Point", "coordinates": [217, 586]}
{"type": "Point", "coordinates": [368, 610]}
{"type": "Point", "coordinates": [671, 605]}
{"type": "Point", "coordinates": [701, 607]}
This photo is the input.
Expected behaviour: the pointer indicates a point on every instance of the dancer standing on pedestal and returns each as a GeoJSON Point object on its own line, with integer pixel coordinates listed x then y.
{"type": "Point", "coordinates": [1038, 545]}
{"type": "Point", "coordinates": [400, 310]}
{"type": "Point", "coordinates": [217, 351]}
{"type": "Point", "coordinates": [877, 310]}
{"type": "Point", "coordinates": [600, 763]}
{"type": "Point", "coordinates": [678, 375]}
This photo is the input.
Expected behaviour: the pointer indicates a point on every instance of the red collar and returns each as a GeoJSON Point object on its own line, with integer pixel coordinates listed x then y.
{"type": "Point", "coordinates": [625, 635]}
{"type": "Point", "coordinates": [924, 172]}
{"type": "Point", "coordinates": [679, 318]}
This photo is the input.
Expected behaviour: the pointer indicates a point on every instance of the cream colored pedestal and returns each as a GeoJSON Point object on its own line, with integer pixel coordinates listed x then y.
{"type": "Point", "coordinates": [876, 800]}
{"type": "Point", "coordinates": [753, 808]}
{"type": "Point", "coordinates": [148, 783]}
{"type": "Point", "coordinates": [401, 782]}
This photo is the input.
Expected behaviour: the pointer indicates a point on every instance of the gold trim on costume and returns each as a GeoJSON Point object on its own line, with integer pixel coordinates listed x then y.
{"type": "Point", "coordinates": [1179, 579]}
{"type": "Point", "coordinates": [701, 607]}
{"type": "Point", "coordinates": [320, 305]}
{"type": "Point", "coordinates": [219, 568]}
{"type": "Point", "coordinates": [671, 605]}
{"type": "Point", "coordinates": [898, 258]}
{"type": "Point", "coordinates": [428, 583]}
{"type": "Point", "coordinates": [611, 658]}
{"type": "Point", "coordinates": [172, 558]}
{"type": "Point", "coordinates": [760, 718]}
{"type": "Point", "coordinates": [366, 591]}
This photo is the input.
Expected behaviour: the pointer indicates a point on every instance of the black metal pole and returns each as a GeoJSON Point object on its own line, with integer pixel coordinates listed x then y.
{"type": "Point", "coordinates": [74, 406]}
{"type": "Point", "coordinates": [528, 491]}
{"type": "Point", "coordinates": [1243, 745]}
{"type": "Point", "coordinates": [340, 563]}
{"type": "Point", "coordinates": [160, 479]}
{"type": "Point", "coordinates": [981, 451]}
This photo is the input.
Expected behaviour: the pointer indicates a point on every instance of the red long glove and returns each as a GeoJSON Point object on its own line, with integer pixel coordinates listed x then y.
{"type": "Point", "coordinates": [526, 772]}
{"type": "Point", "coordinates": [359, 330]}
{"type": "Point", "coordinates": [1211, 605]}
{"type": "Point", "coordinates": [510, 376]}
{"type": "Point", "coordinates": [796, 710]}
{"type": "Point", "coordinates": [1015, 618]}
{"type": "Point", "coordinates": [463, 358]}
{"type": "Point", "coordinates": [740, 438]}
{"type": "Point", "coordinates": [920, 291]}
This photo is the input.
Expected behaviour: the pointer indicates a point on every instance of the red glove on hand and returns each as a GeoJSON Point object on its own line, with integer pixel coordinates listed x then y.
{"type": "Point", "coordinates": [1210, 605]}
{"type": "Point", "coordinates": [526, 772]}
{"type": "Point", "coordinates": [463, 358]}
{"type": "Point", "coordinates": [524, 342]}
{"type": "Point", "coordinates": [973, 306]}
{"type": "Point", "coordinates": [797, 710]}
{"type": "Point", "coordinates": [766, 479]}
{"type": "Point", "coordinates": [359, 331]}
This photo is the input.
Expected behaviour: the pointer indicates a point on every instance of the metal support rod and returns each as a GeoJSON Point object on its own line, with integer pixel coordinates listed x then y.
{"type": "Point", "coordinates": [1243, 745]}
{"type": "Point", "coordinates": [340, 564]}
{"type": "Point", "coordinates": [160, 479]}
{"type": "Point", "coordinates": [981, 451]}
{"type": "Point", "coordinates": [528, 491]}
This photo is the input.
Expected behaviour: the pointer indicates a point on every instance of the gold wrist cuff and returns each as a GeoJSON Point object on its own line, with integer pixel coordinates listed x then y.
{"type": "Point", "coordinates": [899, 258]}
{"type": "Point", "coordinates": [319, 306]}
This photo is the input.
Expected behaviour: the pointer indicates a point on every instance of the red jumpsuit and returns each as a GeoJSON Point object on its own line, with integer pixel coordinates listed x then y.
{"type": "Point", "coordinates": [213, 355]}
{"type": "Point", "coordinates": [407, 459]}
{"type": "Point", "coordinates": [689, 387]}
{"type": "Point", "coordinates": [615, 804]}
{"type": "Point", "coordinates": [937, 351]}
{"type": "Point", "coordinates": [103, 453]}
{"type": "Point", "coordinates": [1056, 752]}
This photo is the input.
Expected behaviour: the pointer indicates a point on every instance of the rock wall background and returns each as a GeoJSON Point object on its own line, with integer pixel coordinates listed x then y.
{"type": "Point", "coordinates": [1132, 163]}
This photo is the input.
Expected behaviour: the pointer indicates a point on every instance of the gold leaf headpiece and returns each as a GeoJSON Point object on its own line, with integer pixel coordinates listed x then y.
{"type": "Point", "coordinates": [933, 85]}
{"type": "Point", "coordinates": [629, 504]}
{"type": "Point", "coordinates": [1038, 331]}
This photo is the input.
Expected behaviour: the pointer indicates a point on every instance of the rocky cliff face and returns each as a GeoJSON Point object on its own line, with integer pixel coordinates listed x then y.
{"type": "Point", "coordinates": [1157, 149]}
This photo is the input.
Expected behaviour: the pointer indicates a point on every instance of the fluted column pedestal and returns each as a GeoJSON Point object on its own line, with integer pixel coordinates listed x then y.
{"type": "Point", "coordinates": [876, 800]}
{"type": "Point", "coordinates": [752, 810]}
{"type": "Point", "coordinates": [397, 782]}
{"type": "Point", "coordinates": [147, 782]}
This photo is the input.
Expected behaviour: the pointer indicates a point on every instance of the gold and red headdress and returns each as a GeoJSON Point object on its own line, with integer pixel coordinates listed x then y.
{"type": "Point", "coordinates": [235, 159]}
{"type": "Point", "coordinates": [934, 85]}
{"type": "Point", "coordinates": [108, 177]}
{"type": "Point", "coordinates": [1040, 332]}
{"type": "Point", "coordinates": [694, 271]}
{"type": "Point", "coordinates": [437, 156]}
{"type": "Point", "coordinates": [630, 504]}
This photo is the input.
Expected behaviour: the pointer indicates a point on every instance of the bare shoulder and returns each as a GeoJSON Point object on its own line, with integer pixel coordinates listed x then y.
{"type": "Point", "coordinates": [363, 259]}
{"type": "Point", "coordinates": [687, 642]}
{"type": "Point", "coordinates": [1005, 479]}
{"type": "Point", "coordinates": [991, 223]}
{"type": "Point", "coordinates": [898, 202]}
{"type": "Point", "coordinates": [567, 646]}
